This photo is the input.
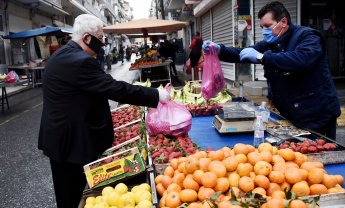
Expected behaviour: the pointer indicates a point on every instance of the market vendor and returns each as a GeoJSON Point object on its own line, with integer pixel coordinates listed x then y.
{"type": "Point", "coordinates": [296, 67]}
{"type": "Point", "coordinates": [76, 125]}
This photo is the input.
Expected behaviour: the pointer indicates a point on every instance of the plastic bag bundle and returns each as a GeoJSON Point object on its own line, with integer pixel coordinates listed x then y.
{"type": "Point", "coordinates": [212, 76]}
{"type": "Point", "coordinates": [171, 118]}
{"type": "Point", "coordinates": [11, 77]}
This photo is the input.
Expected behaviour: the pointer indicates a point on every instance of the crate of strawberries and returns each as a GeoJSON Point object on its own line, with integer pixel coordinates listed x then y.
{"type": "Point", "coordinates": [125, 114]}
{"type": "Point", "coordinates": [205, 109]}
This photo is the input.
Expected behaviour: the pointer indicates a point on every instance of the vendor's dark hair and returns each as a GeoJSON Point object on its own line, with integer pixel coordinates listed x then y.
{"type": "Point", "coordinates": [277, 9]}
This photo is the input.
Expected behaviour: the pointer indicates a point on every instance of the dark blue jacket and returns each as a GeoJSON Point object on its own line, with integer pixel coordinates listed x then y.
{"type": "Point", "coordinates": [297, 70]}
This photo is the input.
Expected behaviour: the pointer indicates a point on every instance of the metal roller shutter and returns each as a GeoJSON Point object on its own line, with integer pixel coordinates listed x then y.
{"type": "Point", "coordinates": [291, 6]}
{"type": "Point", "coordinates": [223, 32]}
{"type": "Point", "coordinates": [206, 26]}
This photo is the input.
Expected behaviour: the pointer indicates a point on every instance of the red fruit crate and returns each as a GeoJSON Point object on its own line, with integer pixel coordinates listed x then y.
{"type": "Point", "coordinates": [125, 114]}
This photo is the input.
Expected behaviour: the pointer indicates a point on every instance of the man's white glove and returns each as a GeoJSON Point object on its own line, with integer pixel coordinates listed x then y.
{"type": "Point", "coordinates": [164, 96]}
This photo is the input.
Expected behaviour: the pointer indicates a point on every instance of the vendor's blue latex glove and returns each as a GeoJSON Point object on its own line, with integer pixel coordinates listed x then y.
{"type": "Point", "coordinates": [249, 54]}
{"type": "Point", "coordinates": [206, 46]}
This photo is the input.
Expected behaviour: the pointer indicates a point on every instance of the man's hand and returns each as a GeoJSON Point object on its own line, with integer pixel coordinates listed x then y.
{"type": "Point", "coordinates": [164, 96]}
{"type": "Point", "coordinates": [206, 46]}
{"type": "Point", "coordinates": [250, 54]}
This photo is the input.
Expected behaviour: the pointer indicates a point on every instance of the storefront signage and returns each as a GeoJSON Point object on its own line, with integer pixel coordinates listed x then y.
{"type": "Point", "coordinates": [244, 23]}
{"type": "Point", "coordinates": [192, 1]}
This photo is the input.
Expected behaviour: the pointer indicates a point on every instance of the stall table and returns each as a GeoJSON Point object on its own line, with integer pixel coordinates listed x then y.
{"type": "Point", "coordinates": [34, 74]}
{"type": "Point", "coordinates": [205, 135]}
{"type": "Point", "coordinates": [154, 73]}
{"type": "Point", "coordinates": [4, 99]}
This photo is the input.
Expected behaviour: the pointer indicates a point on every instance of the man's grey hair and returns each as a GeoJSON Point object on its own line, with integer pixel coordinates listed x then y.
{"type": "Point", "coordinates": [85, 23]}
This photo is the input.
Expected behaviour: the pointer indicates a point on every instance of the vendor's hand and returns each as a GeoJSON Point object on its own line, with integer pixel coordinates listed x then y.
{"type": "Point", "coordinates": [206, 46]}
{"type": "Point", "coordinates": [164, 96]}
{"type": "Point", "coordinates": [249, 54]}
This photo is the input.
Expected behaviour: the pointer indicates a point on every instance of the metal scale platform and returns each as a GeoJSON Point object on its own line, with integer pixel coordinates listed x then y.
{"type": "Point", "coordinates": [238, 117]}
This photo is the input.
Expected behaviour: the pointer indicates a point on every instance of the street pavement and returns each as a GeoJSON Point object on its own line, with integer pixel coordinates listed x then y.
{"type": "Point", "coordinates": [25, 175]}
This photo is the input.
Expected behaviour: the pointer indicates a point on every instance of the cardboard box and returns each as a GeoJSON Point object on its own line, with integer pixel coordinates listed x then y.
{"type": "Point", "coordinates": [114, 167]}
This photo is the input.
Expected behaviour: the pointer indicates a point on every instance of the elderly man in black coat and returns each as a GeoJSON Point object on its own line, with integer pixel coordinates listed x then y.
{"type": "Point", "coordinates": [76, 125]}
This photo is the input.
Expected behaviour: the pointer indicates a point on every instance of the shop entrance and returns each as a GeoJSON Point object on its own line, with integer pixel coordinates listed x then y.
{"type": "Point", "coordinates": [329, 18]}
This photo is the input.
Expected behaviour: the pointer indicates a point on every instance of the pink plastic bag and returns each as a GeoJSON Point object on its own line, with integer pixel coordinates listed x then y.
{"type": "Point", "coordinates": [11, 77]}
{"type": "Point", "coordinates": [171, 118]}
{"type": "Point", "coordinates": [212, 75]}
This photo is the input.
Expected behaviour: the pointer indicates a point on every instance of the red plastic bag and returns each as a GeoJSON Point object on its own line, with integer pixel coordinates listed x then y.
{"type": "Point", "coordinates": [171, 118]}
{"type": "Point", "coordinates": [212, 75]}
{"type": "Point", "coordinates": [11, 77]}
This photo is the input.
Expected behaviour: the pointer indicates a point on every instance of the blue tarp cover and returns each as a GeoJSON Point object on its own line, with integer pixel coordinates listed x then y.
{"type": "Point", "coordinates": [48, 30]}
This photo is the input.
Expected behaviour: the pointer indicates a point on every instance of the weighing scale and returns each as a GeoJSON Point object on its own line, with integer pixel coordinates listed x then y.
{"type": "Point", "coordinates": [237, 118]}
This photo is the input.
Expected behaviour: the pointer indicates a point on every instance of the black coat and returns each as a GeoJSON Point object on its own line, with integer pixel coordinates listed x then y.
{"type": "Point", "coordinates": [76, 124]}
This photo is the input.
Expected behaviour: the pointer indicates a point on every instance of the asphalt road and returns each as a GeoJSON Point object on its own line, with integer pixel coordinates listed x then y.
{"type": "Point", "coordinates": [25, 175]}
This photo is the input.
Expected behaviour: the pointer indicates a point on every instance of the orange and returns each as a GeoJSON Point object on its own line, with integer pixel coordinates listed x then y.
{"type": "Point", "coordinates": [158, 179]}
{"type": "Point", "coordinates": [299, 158]}
{"type": "Point", "coordinates": [236, 191]}
{"type": "Point", "coordinates": [195, 205]}
{"type": "Point", "coordinates": [250, 148]}
{"type": "Point", "coordinates": [188, 195]}
{"type": "Point", "coordinates": [287, 154]}
{"type": "Point", "coordinates": [285, 186]}
{"type": "Point", "coordinates": [166, 181]}
{"type": "Point", "coordinates": [160, 189]}
{"type": "Point", "coordinates": [178, 179]}
{"type": "Point", "coordinates": [174, 187]}
{"type": "Point", "coordinates": [311, 165]}
{"type": "Point", "coordinates": [226, 151]}
{"type": "Point", "coordinates": [205, 193]}
{"type": "Point", "coordinates": [315, 176]}
{"type": "Point", "coordinates": [162, 201]}
{"type": "Point", "coordinates": [169, 171]}
{"type": "Point", "coordinates": [174, 163]}
{"type": "Point", "coordinates": [189, 183]}
{"type": "Point", "coordinates": [317, 189]}
{"type": "Point", "coordinates": [173, 199]}
{"type": "Point", "coordinates": [234, 179]}
{"type": "Point", "coordinates": [276, 177]}
{"type": "Point", "coordinates": [277, 159]}
{"type": "Point", "coordinates": [291, 164]}
{"type": "Point", "coordinates": [332, 191]}
{"type": "Point", "coordinates": [265, 147]}
{"type": "Point", "coordinates": [279, 166]}
{"type": "Point", "coordinates": [181, 160]}
{"type": "Point", "coordinates": [243, 169]}
{"type": "Point", "coordinates": [279, 195]}
{"type": "Point", "coordinates": [230, 163]}
{"type": "Point", "coordinates": [254, 157]}
{"type": "Point", "coordinates": [191, 164]}
{"type": "Point", "coordinates": [198, 155]}
{"type": "Point", "coordinates": [209, 180]}
{"type": "Point", "coordinates": [218, 168]}
{"type": "Point", "coordinates": [276, 203]}
{"type": "Point", "coordinates": [252, 175]}
{"type": "Point", "coordinates": [224, 204]}
{"type": "Point", "coordinates": [340, 179]}
{"type": "Point", "coordinates": [296, 203]}
{"type": "Point", "coordinates": [259, 190]}
{"type": "Point", "coordinates": [293, 175]}
{"type": "Point", "coordinates": [197, 175]}
{"type": "Point", "coordinates": [262, 181]}
{"type": "Point", "coordinates": [182, 168]}
{"type": "Point", "coordinates": [301, 189]}
{"type": "Point", "coordinates": [329, 181]}
{"type": "Point", "coordinates": [263, 168]}
{"type": "Point", "coordinates": [266, 156]}
{"type": "Point", "coordinates": [216, 155]}
{"type": "Point", "coordinates": [240, 148]}
{"type": "Point", "coordinates": [246, 184]}
{"type": "Point", "coordinates": [222, 185]}
{"type": "Point", "coordinates": [241, 158]}
{"type": "Point", "coordinates": [274, 150]}
{"type": "Point", "coordinates": [272, 188]}
{"type": "Point", "coordinates": [203, 164]}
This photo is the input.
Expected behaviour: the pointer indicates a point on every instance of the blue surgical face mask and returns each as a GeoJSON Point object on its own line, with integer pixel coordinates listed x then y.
{"type": "Point", "coordinates": [269, 37]}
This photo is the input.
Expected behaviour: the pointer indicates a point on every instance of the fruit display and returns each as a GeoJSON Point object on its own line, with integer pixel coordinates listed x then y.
{"type": "Point", "coordinates": [264, 171]}
{"type": "Point", "coordinates": [206, 109]}
{"type": "Point", "coordinates": [150, 58]}
{"type": "Point", "coordinates": [128, 131]}
{"type": "Point", "coordinates": [163, 148]}
{"type": "Point", "coordinates": [121, 196]}
{"type": "Point", "coordinates": [125, 114]}
{"type": "Point", "coordinates": [309, 146]}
